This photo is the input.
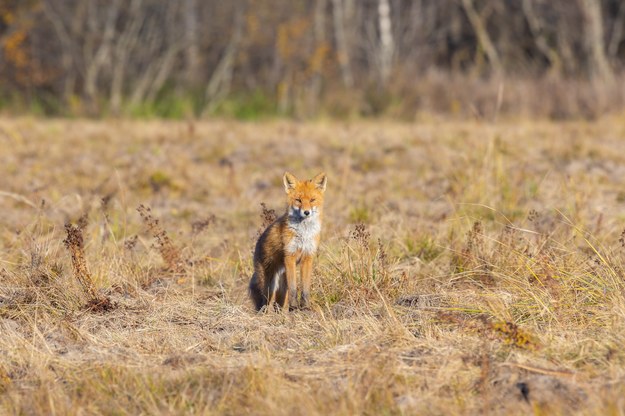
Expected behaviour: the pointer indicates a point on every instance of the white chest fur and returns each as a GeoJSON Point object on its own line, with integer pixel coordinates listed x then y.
{"type": "Point", "coordinates": [305, 239]}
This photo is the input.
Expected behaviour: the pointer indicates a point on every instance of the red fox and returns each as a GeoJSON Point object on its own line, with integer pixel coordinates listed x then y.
{"type": "Point", "coordinates": [291, 239]}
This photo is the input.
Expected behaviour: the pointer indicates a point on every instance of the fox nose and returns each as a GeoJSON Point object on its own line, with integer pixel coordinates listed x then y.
{"type": "Point", "coordinates": [306, 213]}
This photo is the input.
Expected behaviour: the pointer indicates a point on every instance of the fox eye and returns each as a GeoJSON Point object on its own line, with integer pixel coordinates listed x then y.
{"type": "Point", "coordinates": [312, 200]}
{"type": "Point", "coordinates": [299, 200]}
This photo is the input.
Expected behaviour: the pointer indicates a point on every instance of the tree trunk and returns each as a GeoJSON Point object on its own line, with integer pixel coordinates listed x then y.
{"type": "Point", "coordinates": [536, 30]}
{"type": "Point", "coordinates": [341, 42]}
{"type": "Point", "coordinates": [483, 37]}
{"type": "Point", "coordinates": [593, 40]}
{"type": "Point", "coordinates": [192, 50]}
{"type": "Point", "coordinates": [320, 45]}
{"type": "Point", "coordinates": [124, 46]}
{"type": "Point", "coordinates": [617, 32]}
{"type": "Point", "coordinates": [387, 45]}
{"type": "Point", "coordinates": [219, 84]}
{"type": "Point", "coordinates": [67, 33]}
{"type": "Point", "coordinates": [101, 56]}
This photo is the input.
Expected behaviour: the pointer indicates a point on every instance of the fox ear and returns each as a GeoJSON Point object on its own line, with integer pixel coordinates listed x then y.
{"type": "Point", "coordinates": [320, 181]}
{"type": "Point", "coordinates": [289, 182]}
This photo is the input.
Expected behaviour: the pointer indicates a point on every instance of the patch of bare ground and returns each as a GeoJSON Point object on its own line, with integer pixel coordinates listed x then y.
{"type": "Point", "coordinates": [465, 268]}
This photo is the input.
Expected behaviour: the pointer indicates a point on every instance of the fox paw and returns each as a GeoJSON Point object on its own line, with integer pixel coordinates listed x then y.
{"type": "Point", "coordinates": [305, 302]}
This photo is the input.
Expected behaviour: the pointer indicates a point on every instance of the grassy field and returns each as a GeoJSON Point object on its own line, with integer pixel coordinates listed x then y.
{"type": "Point", "coordinates": [464, 268]}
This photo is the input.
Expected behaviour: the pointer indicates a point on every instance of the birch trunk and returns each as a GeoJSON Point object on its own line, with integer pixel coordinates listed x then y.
{"type": "Point", "coordinates": [593, 40]}
{"type": "Point", "coordinates": [387, 44]}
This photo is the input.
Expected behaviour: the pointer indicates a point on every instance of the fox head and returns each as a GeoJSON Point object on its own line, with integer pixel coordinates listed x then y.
{"type": "Point", "coordinates": [305, 198]}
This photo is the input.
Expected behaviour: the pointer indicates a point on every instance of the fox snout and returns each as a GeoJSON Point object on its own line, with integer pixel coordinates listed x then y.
{"type": "Point", "coordinates": [303, 212]}
{"type": "Point", "coordinates": [306, 212]}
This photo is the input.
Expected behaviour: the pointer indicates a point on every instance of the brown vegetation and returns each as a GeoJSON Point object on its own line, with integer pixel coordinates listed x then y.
{"type": "Point", "coordinates": [168, 251]}
{"type": "Point", "coordinates": [464, 268]}
{"type": "Point", "coordinates": [75, 245]}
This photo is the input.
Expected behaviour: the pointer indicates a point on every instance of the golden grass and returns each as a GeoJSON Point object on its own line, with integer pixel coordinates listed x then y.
{"type": "Point", "coordinates": [464, 268]}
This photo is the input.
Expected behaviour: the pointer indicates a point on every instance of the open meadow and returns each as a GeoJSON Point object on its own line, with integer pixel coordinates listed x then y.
{"type": "Point", "coordinates": [464, 268]}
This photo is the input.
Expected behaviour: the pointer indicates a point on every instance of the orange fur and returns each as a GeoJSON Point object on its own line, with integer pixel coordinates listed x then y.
{"type": "Point", "coordinates": [293, 238]}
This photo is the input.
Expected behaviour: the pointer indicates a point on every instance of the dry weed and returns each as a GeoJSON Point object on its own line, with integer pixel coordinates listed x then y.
{"type": "Point", "coordinates": [165, 246]}
{"type": "Point", "coordinates": [74, 243]}
{"type": "Point", "coordinates": [267, 216]}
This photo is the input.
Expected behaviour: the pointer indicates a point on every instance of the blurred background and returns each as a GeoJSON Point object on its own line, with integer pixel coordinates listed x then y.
{"type": "Point", "coordinates": [557, 59]}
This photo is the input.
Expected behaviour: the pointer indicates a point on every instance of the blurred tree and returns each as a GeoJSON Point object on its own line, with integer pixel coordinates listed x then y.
{"type": "Point", "coordinates": [342, 44]}
{"type": "Point", "coordinates": [484, 41]}
{"type": "Point", "coordinates": [594, 33]}
{"type": "Point", "coordinates": [387, 44]}
{"type": "Point", "coordinates": [98, 56]}
{"type": "Point", "coordinates": [193, 58]}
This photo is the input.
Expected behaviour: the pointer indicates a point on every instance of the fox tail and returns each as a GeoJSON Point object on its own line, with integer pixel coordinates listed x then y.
{"type": "Point", "coordinates": [256, 294]}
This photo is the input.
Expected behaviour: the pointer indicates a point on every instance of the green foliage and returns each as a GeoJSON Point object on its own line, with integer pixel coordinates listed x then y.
{"type": "Point", "coordinates": [423, 247]}
{"type": "Point", "coordinates": [359, 214]}
{"type": "Point", "coordinates": [42, 104]}
{"type": "Point", "coordinates": [160, 179]}
{"type": "Point", "coordinates": [377, 101]}
{"type": "Point", "coordinates": [167, 107]}
{"type": "Point", "coordinates": [254, 106]}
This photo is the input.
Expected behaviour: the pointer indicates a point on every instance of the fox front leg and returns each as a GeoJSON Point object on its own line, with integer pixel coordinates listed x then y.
{"type": "Point", "coordinates": [291, 280]}
{"type": "Point", "coordinates": [306, 272]}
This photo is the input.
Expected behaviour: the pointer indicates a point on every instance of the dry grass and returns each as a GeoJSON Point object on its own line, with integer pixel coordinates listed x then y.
{"type": "Point", "coordinates": [464, 268]}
